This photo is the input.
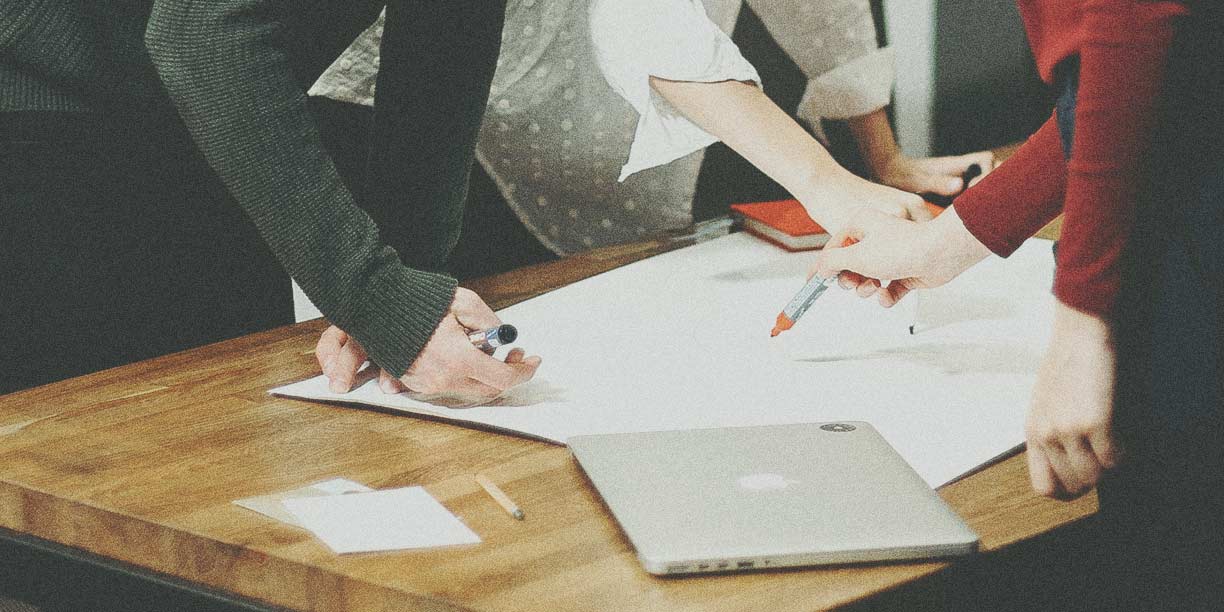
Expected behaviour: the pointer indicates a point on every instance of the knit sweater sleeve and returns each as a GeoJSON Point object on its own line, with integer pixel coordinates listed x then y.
{"type": "Point", "coordinates": [231, 82]}
{"type": "Point", "coordinates": [47, 38]}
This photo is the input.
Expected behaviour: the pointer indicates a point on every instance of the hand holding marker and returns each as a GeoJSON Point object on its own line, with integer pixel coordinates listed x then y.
{"type": "Point", "coordinates": [816, 285]}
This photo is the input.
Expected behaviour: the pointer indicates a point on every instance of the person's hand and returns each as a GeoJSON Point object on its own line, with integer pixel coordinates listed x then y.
{"type": "Point", "coordinates": [340, 356]}
{"type": "Point", "coordinates": [1069, 426]}
{"type": "Point", "coordinates": [891, 256]}
{"type": "Point", "coordinates": [448, 365]}
{"type": "Point", "coordinates": [937, 175]}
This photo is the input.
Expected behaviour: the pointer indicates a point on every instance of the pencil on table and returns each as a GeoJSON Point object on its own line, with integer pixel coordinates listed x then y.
{"type": "Point", "coordinates": [500, 497]}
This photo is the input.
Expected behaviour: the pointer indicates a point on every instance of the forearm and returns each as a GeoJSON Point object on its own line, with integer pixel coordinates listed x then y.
{"type": "Point", "coordinates": [1020, 197]}
{"type": "Point", "coordinates": [232, 84]}
{"type": "Point", "coordinates": [743, 117]}
{"type": "Point", "coordinates": [874, 136]}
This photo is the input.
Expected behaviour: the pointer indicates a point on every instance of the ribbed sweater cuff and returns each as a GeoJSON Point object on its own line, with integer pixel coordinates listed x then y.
{"type": "Point", "coordinates": [20, 92]}
{"type": "Point", "coordinates": [402, 308]}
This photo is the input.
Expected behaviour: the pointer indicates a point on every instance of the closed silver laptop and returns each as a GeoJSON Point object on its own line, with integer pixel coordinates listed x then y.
{"type": "Point", "coordinates": [750, 498]}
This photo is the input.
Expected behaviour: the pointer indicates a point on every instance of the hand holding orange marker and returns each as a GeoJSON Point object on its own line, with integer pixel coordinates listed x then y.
{"type": "Point", "coordinates": [803, 300]}
{"type": "Point", "coordinates": [815, 287]}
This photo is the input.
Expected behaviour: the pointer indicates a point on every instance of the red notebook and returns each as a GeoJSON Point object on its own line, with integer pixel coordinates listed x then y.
{"type": "Point", "coordinates": [787, 224]}
{"type": "Point", "coordinates": [782, 222]}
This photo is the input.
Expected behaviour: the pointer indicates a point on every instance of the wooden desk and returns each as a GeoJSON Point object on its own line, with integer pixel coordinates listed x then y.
{"type": "Point", "coordinates": [140, 464]}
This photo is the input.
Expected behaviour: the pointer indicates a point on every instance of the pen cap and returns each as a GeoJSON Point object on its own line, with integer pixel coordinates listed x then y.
{"type": "Point", "coordinates": [507, 333]}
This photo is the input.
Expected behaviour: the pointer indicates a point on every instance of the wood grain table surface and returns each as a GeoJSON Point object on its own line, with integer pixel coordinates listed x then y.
{"type": "Point", "coordinates": [141, 464]}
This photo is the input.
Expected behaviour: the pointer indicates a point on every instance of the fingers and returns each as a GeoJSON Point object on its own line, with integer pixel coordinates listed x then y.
{"type": "Point", "coordinates": [488, 377]}
{"type": "Point", "coordinates": [957, 165]}
{"type": "Point", "coordinates": [868, 288]}
{"type": "Point", "coordinates": [834, 257]}
{"type": "Point", "coordinates": [833, 261]}
{"type": "Point", "coordinates": [939, 184]}
{"type": "Point", "coordinates": [1104, 448]}
{"type": "Point", "coordinates": [850, 280]}
{"type": "Point", "coordinates": [388, 383]}
{"type": "Point", "coordinates": [450, 365]}
{"type": "Point", "coordinates": [1083, 470]}
{"type": "Point", "coordinates": [1064, 477]}
{"type": "Point", "coordinates": [1074, 468]}
{"type": "Point", "coordinates": [329, 345]}
{"type": "Point", "coordinates": [1072, 462]}
{"type": "Point", "coordinates": [986, 161]}
{"type": "Point", "coordinates": [1041, 475]}
{"type": "Point", "coordinates": [344, 366]}
{"type": "Point", "coordinates": [865, 287]}
{"type": "Point", "coordinates": [503, 375]}
{"type": "Point", "coordinates": [472, 312]}
{"type": "Point", "coordinates": [893, 293]}
{"type": "Point", "coordinates": [945, 175]}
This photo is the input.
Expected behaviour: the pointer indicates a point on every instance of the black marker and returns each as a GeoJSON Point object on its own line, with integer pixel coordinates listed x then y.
{"type": "Point", "coordinates": [943, 201]}
{"type": "Point", "coordinates": [489, 339]}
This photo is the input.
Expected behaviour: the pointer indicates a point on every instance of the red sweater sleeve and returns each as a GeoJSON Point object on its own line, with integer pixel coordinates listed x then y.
{"type": "Point", "coordinates": [1122, 58]}
{"type": "Point", "coordinates": [1020, 197]}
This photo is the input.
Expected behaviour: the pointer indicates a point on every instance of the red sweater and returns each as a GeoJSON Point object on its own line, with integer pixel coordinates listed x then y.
{"type": "Point", "coordinates": [1122, 47]}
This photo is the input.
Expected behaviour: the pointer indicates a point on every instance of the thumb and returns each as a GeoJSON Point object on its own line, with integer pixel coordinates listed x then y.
{"type": "Point", "coordinates": [840, 252]}
{"type": "Point", "coordinates": [472, 312]}
{"type": "Point", "coordinates": [831, 261]}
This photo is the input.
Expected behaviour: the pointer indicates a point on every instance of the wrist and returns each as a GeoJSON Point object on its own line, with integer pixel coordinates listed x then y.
{"type": "Point", "coordinates": [1070, 322]}
{"type": "Point", "coordinates": [827, 195]}
{"type": "Point", "coordinates": [950, 240]}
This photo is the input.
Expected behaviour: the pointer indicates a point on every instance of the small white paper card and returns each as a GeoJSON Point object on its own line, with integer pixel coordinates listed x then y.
{"type": "Point", "coordinates": [272, 505]}
{"type": "Point", "coordinates": [393, 519]}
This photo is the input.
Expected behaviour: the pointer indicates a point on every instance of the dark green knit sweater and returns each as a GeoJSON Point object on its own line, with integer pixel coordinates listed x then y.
{"type": "Point", "coordinates": [220, 68]}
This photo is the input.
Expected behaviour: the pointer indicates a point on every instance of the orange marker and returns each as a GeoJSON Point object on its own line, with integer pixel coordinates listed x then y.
{"type": "Point", "coordinates": [803, 300]}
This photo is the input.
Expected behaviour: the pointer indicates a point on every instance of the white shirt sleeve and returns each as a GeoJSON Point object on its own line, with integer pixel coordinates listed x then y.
{"type": "Point", "coordinates": [634, 40]}
{"type": "Point", "coordinates": [833, 42]}
{"type": "Point", "coordinates": [855, 88]}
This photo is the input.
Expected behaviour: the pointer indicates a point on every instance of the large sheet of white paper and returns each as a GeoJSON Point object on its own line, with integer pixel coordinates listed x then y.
{"type": "Point", "coordinates": [681, 341]}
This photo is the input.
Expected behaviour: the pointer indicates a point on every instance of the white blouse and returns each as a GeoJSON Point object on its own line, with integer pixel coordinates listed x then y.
{"type": "Point", "coordinates": [674, 41]}
{"type": "Point", "coordinates": [571, 101]}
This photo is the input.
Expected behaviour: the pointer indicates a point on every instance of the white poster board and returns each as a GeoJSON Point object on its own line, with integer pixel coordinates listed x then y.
{"type": "Point", "coordinates": [681, 341]}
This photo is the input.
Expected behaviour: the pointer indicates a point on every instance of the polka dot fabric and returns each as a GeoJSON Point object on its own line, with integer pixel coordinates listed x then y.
{"type": "Point", "coordinates": [556, 134]}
